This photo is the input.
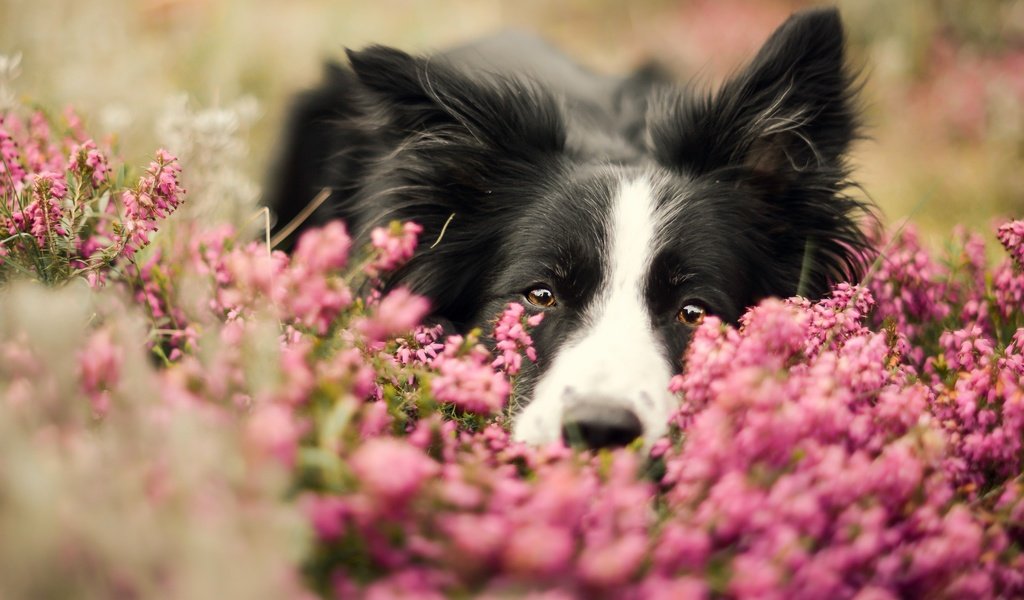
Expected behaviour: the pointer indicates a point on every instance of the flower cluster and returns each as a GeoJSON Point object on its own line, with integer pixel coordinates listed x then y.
{"type": "Point", "coordinates": [512, 339]}
{"type": "Point", "coordinates": [466, 380]}
{"type": "Point", "coordinates": [1011, 235]}
{"type": "Point", "coordinates": [864, 445]}
{"type": "Point", "coordinates": [153, 199]}
{"type": "Point", "coordinates": [910, 286]}
{"type": "Point", "coordinates": [394, 245]}
{"type": "Point", "coordinates": [62, 214]}
{"type": "Point", "coordinates": [770, 426]}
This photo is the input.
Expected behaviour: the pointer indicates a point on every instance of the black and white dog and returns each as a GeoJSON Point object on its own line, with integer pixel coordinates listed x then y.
{"type": "Point", "coordinates": [625, 209]}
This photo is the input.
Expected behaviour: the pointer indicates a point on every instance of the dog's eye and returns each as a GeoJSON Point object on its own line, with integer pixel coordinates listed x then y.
{"type": "Point", "coordinates": [692, 314]}
{"type": "Point", "coordinates": [542, 297]}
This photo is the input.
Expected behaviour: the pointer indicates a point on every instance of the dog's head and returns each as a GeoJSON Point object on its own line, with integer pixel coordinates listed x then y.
{"type": "Point", "coordinates": [701, 204]}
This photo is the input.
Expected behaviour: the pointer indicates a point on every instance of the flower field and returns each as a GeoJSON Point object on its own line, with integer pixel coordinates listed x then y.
{"type": "Point", "coordinates": [187, 413]}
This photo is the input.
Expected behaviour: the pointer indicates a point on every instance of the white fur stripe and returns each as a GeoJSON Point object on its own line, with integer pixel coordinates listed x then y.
{"type": "Point", "coordinates": [617, 358]}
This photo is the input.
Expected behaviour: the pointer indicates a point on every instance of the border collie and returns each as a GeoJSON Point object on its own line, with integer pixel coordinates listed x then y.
{"type": "Point", "coordinates": [624, 208]}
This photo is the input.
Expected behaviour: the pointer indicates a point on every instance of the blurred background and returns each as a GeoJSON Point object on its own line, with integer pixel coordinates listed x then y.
{"type": "Point", "coordinates": [210, 79]}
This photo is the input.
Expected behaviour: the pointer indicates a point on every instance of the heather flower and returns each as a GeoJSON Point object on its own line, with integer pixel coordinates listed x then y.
{"type": "Point", "coordinates": [274, 430]}
{"type": "Point", "coordinates": [681, 548]}
{"type": "Point", "coordinates": [838, 317]}
{"type": "Point", "coordinates": [88, 162]}
{"type": "Point", "coordinates": [397, 312]}
{"type": "Point", "coordinates": [966, 349]}
{"type": "Point", "coordinates": [323, 250]}
{"type": "Point", "coordinates": [348, 369]}
{"type": "Point", "coordinates": [538, 550]}
{"type": "Point", "coordinates": [393, 245]}
{"type": "Point", "coordinates": [42, 217]}
{"type": "Point", "coordinates": [316, 302]}
{"type": "Point", "coordinates": [155, 197]}
{"type": "Point", "coordinates": [613, 564]}
{"type": "Point", "coordinates": [12, 173]}
{"type": "Point", "coordinates": [478, 540]}
{"type": "Point", "coordinates": [466, 380]}
{"type": "Point", "coordinates": [100, 369]}
{"type": "Point", "coordinates": [255, 273]}
{"type": "Point", "coordinates": [375, 420]}
{"type": "Point", "coordinates": [685, 587]}
{"type": "Point", "coordinates": [326, 514]}
{"type": "Point", "coordinates": [909, 286]}
{"type": "Point", "coordinates": [1008, 288]}
{"type": "Point", "coordinates": [767, 443]}
{"type": "Point", "coordinates": [313, 292]}
{"type": "Point", "coordinates": [391, 470]}
{"type": "Point", "coordinates": [1011, 236]}
{"type": "Point", "coordinates": [420, 347]}
{"type": "Point", "coordinates": [512, 340]}
{"type": "Point", "coordinates": [75, 126]}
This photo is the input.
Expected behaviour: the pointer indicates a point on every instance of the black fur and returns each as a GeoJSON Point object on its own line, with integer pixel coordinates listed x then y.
{"type": "Point", "coordinates": [525, 148]}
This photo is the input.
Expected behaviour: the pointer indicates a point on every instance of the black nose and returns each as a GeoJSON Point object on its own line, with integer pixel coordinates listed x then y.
{"type": "Point", "coordinates": [600, 425]}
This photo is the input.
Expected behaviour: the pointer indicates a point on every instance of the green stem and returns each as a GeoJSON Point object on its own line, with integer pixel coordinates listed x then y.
{"type": "Point", "coordinates": [17, 235]}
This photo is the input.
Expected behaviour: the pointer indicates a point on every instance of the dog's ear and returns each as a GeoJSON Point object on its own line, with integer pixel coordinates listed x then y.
{"type": "Point", "coordinates": [780, 130]}
{"type": "Point", "coordinates": [790, 111]}
{"type": "Point", "coordinates": [462, 147]}
{"type": "Point", "coordinates": [426, 95]}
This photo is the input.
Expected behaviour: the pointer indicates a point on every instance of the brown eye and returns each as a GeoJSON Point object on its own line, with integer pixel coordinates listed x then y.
{"type": "Point", "coordinates": [692, 315]}
{"type": "Point", "coordinates": [542, 297]}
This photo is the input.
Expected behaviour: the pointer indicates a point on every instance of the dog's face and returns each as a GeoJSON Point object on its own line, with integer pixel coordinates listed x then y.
{"type": "Point", "coordinates": [710, 203]}
{"type": "Point", "coordinates": [637, 259]}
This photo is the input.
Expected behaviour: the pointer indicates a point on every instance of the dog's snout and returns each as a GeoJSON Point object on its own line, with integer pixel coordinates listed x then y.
{"type": "Point", "coordinates": [600, 425]}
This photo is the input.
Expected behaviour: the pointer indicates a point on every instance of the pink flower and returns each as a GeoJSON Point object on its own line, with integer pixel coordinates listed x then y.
{"type": "Point", "coordinates": [683, 588]}
{"type": "Point", "coordinates": [348, 369]}
{"type": "Point", "coordinates": [274, 430]}
{"type": "Point", "coordinates": [326, 514]}
{"type": "Point", "coordinates": [40, 152]}
{"type": "Point", "coordinates": [682, 547]}
{"type": "Point", "coordinates": [87, 161]}
{"type": "Point", "coordinates": [614, 564]}
{"type": "Point", "coordinates": [375, 420]}
{"type": "Point", "coordinates": [467, 380]}
{"type": "Point", "coordinates": [512, 339]}
{"type": "Point", "coordinates": [909, 285]}
{"type": "Point", "coordinates": [99, 365]}
{"type": "Point", "coordinates": [538, 550]}
{"type": "Point", "coordinates": [11, 170]}
{"type": "Point", "coordinates": [323, 251]}
{"type": "Point", "coordinates": [391, 470]}
{"type": "Point", "coordinates": [42, 217]}
{"type": "Point", "coordinates": [316, 301]}
{"type": "Point", "coordinates": [1008, 284]}
{"type": "Point", "coordinates": [421, 347]}
{"type": "Point", "coordinates": [398, 312]}
{"type": "Point", "coordinates": [1011, 236]}
{"type": "Point", "coordinates": [156, 195]}
{"type": "Point", "coordinates": [394, 245]}
{"type": "Point", "coordinates": [477, 538]}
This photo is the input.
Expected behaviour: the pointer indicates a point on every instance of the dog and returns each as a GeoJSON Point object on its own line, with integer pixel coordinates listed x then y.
{"type": "Point", "coordinates": [626, 209]}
